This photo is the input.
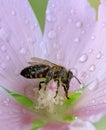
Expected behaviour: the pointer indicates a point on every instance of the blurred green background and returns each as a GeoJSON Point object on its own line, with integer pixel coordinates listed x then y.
{"type": "Point", "coordinates": [39, 7]}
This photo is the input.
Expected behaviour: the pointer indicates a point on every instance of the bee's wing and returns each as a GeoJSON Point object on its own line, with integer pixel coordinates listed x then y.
{"type": "Point", "coordinates": [36, 60]}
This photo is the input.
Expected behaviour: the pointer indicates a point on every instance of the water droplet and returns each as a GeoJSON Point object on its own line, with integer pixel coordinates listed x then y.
{"type": "Point", "coordinates": [6, 101]}
{"type": "Point", "coordinates": [93, 37]}
{"type": "Point", "coordinates": [83, 58]}
{"type": "Point", "coordinates": [69, 20]}
{"type": "Point", "coordinates": [50, 18]}
{"type": "Point", "coordinates": [99, 55]}
{"type": "Point", "coordinates": [52, 34]}
{"type": "Point", "coordinates": [22, 50]}
{"type": "Point", "coordinates": [104, 91]}
{"type": "Point", "coordinates": [93, 101]}
{"type": "Point", "coordinates": [72, 11]}
{"type": "Point", "coordinates": [76, 40]}
{"type": "Point", "coordinates": [3, 66]}
{"type": "Point", "coordinates": [3, 48]}
{"type": "Point", "coordinates": [8, 58]}
{"type": "Point", "coordinates": [27, 21]}
{"type": "Point", "coordinates": [5, 34]}
{"type": "Point", "coordinates": [92, 68]}
{"type": "Point", "coordinates": [13, 12]}
{"type": "Point", "coordinates": [90, 50]}
{"type": "Point", "coordinates": [78, 24]}
{"type": "Point", "coordinates": [83, 31]}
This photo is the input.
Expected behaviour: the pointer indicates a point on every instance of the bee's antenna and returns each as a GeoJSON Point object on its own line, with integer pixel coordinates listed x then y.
{"type": "Point", "coordinates": [77, 79]}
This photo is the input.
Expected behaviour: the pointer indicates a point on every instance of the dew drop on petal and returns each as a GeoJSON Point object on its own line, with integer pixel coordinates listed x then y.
{"type": "Point", "coordinates": [77, 39]}
{"type": "Point", "coordinates": [3, 48]}
{"type": "Point", "coordinates": [83, 58]}
{"type": "Point", "coordinates": [78, 24]}
{"type": "Point", "coordinates": [50, 18]}
{"type": "Point", "coordinates": [13, 12]}
{"type": "Point", "coordinates": [6, 101]}
{"type": "Point", "coordinates": [93, 37]}
{"type": "Point", "coordinates": [27, 21]}
{"type": "Point", "coordinates": [22, 50]}
{"type": "Point", "coordinates": [3, 66]}
{"type": "Point", "coordinates": [92, 68]}
{"type": "Point", "coordinates": [51, 34]}
{"type": "Point", "coordinates": [8, 58]}
{"type": "Point", "coordinates": [99, 55]}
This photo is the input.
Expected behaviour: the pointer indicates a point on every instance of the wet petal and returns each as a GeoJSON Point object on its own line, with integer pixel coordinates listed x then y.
{"type": "Point", "coordinates": [13, 115]}
{"type": "Point", "coordinates": [19, 40]}
{"type": "Point", "coordinates": [68, 28]}
{"type": "Point", "coordinates": [91, 64]}
{"type": "Point", "coordinates": [76, 125]}
{"type": "Point", "coordinates": [92, 103]}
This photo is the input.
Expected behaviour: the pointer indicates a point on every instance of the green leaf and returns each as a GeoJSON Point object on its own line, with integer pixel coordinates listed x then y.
{"type": "Point", "coordinates": [69, 118]}
{"type": "Point", "coordinates": [39, 8]}
{"type": "Point", "coordinates": [95, 4]}
{"type": "Point", "coordinates": [37, 124]}
{"type": "Point", "coordinates": [23, 100]}
{"type": "Point", "coordinates": [72, 98]}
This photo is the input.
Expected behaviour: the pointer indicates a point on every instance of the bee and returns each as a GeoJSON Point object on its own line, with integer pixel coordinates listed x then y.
{"type": "Point", "coordinates": [40, 68]}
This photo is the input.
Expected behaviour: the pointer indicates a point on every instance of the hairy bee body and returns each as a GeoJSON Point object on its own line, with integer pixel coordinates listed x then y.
{"type": "Point", "coordinates": [45, 69]}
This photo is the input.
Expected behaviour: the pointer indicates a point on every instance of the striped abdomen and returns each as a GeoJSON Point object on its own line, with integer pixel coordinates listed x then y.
{"type": "Point", "coordinates": [36, 71]}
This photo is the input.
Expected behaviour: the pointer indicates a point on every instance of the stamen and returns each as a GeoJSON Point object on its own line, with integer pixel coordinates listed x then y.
{"type": "Point", "coordinates": [44, 99]}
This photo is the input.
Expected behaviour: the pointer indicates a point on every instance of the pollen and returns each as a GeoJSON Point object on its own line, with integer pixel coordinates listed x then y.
{"type": "Point", "coordinates": [44, 99]}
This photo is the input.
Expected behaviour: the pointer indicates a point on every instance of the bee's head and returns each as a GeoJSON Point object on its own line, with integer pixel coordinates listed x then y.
{"type": "Point", "coordinates": [70, 76]}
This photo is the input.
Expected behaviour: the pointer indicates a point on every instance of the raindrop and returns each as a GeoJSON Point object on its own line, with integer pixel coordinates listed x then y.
{"type": "Point", "coordinates": [90, 51]}
{"type": "Point", "coordinates": [93, 37]}
{"type": "Point", "coordinates": [6, 101]}
{"type": "Point", "coordinates": [26, 21]}
{"type": "Point", "coordinates": [93, 101]}
{"type": "Point", "coordinates": [69, 20]}
{"type": "Point", "coordinates": [3, 48]}
{"type": "Point", "coordinates": [52, 34]}
{"type": "Point", "coordinates": [5, 34]}
{"type": "Point", "coordinates": [78, 24]}
{"type": "Point", "coordinates": [76, 40]}
{"type": "Point", "coordinates": [13, 12]}
{"type": "Point", "coordinates": [3, 66]}
{"type": "Point", "coordinates": [50, 18]}
{"type": "Point", "coordinates": [83, 31]}
{"type": "Point", "coordinates": [92, 68]}
{"type": "Point", "coordinates": [104, 91]}
{"type": "Point", "coordinates": [83, 58]}
{"type": "Point", "coordinates": [22, 50]}
{"type": "Point", "coordinates": [8, 58]}
{"type": "Point", "coordinates": [99, 55]}
{"type": "Point", "coordinates": [72, 11]}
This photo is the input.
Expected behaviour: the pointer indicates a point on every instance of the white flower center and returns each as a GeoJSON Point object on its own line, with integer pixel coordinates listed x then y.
{"type": "Point", "coordinates": [44, 99]}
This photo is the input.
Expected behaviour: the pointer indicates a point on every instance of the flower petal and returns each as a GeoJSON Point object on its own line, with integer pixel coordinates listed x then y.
{"type": "Point", "coordinates": [92, 62]}
{"type": "Point", "coordinates": [20, 35]}
{"type": "Point", "coordinates": [13, 115]}
{"type": "Point", "coordinates": [68, 27]}
{"type": "Point", "coordinates": [92, 103]}
{"type": "Point", "coordinates": [76, 125]}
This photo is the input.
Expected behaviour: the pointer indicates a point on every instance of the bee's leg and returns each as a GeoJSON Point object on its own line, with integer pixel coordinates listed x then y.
{"type": "Point", "coordinates": [58, 84]}
{"type": "Point", "coordinates": [40, 84]}
{"type": "Point", "coordinates": [66, 91]}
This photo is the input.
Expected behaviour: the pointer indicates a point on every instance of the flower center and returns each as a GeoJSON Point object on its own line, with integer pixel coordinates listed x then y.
{"type": "Point", "coordinates": [44, 99]}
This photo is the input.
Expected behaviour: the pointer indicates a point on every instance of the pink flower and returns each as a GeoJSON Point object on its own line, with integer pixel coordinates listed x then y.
{"type": "Point", "coordinates": [72, 38]}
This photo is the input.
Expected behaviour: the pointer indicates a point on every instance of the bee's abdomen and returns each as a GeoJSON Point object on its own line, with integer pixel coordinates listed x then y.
{"type": "Point", "coordinates": [37, 71]}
